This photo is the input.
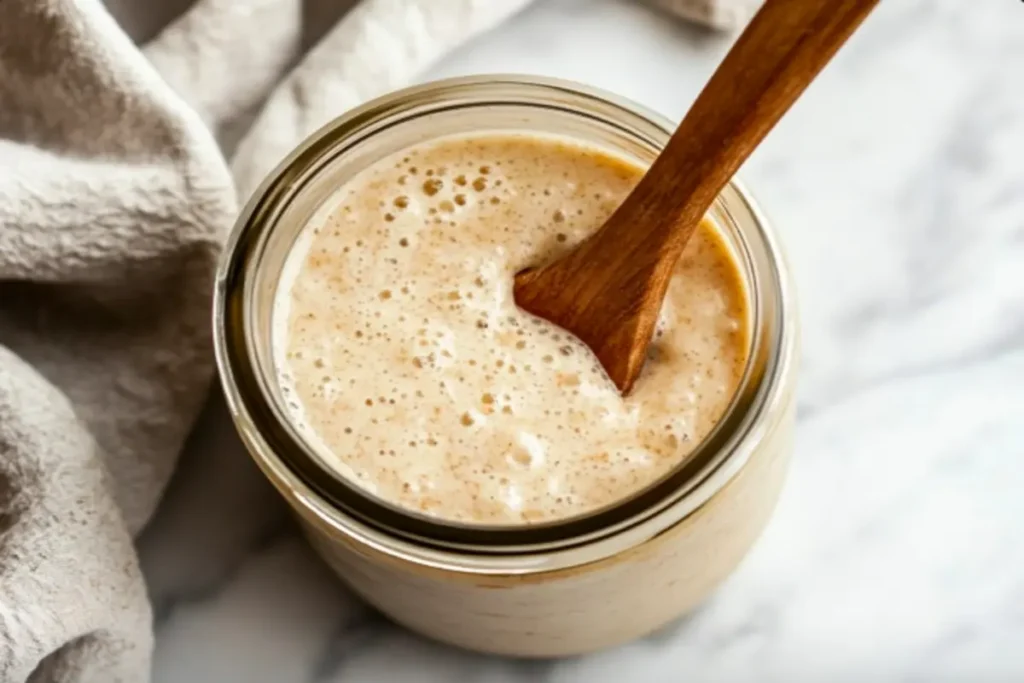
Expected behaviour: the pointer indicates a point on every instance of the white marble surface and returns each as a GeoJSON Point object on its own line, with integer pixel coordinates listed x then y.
{"type": "Point", "coordinates": [897, 552]}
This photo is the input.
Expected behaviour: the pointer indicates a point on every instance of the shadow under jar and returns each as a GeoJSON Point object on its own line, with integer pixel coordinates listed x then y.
{"type": "Point", "coordinates": [547, 589]}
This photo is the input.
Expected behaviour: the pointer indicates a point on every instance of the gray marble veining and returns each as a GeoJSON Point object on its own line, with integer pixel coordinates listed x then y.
{"type": "Point", "coordinates": [897, 552]}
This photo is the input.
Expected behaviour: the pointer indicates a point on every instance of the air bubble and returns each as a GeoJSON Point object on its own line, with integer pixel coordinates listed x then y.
{"type": "Point", "coordinates": [432, 186]}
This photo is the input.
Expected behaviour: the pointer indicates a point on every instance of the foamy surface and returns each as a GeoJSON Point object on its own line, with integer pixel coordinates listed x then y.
{"type": "Point", "coordinates": [404, 358]}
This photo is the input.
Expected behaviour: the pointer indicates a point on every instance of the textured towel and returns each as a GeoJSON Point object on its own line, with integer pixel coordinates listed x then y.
{"type": "Point", "coordinates": [114, 198]}
{"type": "Point", "coordinates": [720, 14]}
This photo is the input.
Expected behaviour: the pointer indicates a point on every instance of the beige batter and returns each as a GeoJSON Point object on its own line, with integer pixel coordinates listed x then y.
{"type": "Point", "coordinates": [404, 358]}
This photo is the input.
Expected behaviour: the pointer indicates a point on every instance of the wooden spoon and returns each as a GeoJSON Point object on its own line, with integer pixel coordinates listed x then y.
{"type": "Point", "coordinates": [609, 290]}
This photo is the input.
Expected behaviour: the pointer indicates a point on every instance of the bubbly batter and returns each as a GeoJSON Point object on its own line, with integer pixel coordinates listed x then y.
{"type": "Point", "coordinates": [404, 358]}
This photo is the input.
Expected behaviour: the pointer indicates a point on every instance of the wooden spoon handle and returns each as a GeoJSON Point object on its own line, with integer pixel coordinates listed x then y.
{"type": "Point", "coordinates": [784, 47]}
{"type": "Point", "coordinates": [608, 291]}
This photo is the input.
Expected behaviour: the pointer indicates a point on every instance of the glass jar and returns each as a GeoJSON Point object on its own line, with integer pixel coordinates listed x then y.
{"type": "Point", "coordinates": [542, 590]}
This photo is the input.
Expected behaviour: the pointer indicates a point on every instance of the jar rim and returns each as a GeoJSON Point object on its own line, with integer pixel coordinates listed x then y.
{"type": "Point", "coordinates": [289, 461]}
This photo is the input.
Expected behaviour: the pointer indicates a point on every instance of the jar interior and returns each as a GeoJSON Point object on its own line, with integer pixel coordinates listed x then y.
{"type": "Point", "coordinates": [305, 182]}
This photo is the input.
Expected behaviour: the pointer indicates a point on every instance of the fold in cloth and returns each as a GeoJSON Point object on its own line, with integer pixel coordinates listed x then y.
{"type": "Point", "coordinates": [114, 199]}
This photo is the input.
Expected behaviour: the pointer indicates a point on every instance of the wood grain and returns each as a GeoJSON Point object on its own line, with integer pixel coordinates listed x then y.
{"type": "Point", "coordinates": [609, 290]}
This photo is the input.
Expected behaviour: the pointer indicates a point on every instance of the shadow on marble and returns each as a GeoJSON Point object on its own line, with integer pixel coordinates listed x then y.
{"type": "Point", "coordinates": [218, 510]}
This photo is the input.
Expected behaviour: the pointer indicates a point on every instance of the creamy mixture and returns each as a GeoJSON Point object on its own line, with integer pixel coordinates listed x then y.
{"type": "Point", "coordinates": [404, 358]}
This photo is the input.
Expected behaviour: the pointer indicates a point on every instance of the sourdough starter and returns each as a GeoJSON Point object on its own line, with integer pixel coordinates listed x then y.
{"type": "Point", "coordinates": [406, 363]}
